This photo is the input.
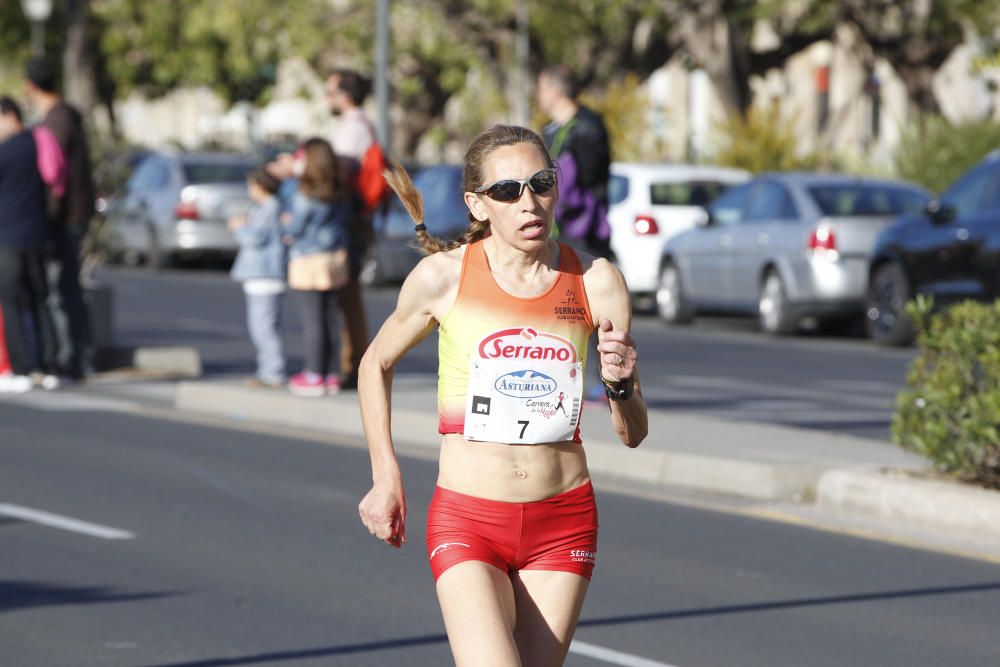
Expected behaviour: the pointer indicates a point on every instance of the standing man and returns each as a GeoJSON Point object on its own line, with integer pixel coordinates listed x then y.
{"type": "Point", "coordinates": [578, 140]}
{"type": "Point", "coordinates": [353, 137]}
{"type": "Point", "coordinates": [70, 222]}
{"type": "Point", "coordinates": [24, 233]}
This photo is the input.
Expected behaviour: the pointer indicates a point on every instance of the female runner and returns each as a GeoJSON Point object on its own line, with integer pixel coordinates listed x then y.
{"type": "Point", "coordinates": [512, 526]}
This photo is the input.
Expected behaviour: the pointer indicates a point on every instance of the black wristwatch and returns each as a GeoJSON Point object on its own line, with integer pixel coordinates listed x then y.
{"type": "Point", "coordinates": [618, 391]}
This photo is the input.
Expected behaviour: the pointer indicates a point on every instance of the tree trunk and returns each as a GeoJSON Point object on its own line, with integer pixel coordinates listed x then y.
{"type": "Point", "coordinates": [79, 86]}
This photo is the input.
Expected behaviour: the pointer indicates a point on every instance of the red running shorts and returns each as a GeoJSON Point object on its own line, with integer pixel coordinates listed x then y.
{"type": "Point", "coordinates": [558, 533]}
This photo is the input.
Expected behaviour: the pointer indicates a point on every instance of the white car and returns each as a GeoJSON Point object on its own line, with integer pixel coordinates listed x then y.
{"type": "Point", "coordinates": [650, 203]}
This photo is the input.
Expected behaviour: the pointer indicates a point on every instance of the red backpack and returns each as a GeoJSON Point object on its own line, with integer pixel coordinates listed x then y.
{"type": "Point", "coordinates": [371, 183]}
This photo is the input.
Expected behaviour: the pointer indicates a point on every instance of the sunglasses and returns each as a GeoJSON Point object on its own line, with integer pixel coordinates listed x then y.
{"type": "Point", "coordinates": [511, 189]}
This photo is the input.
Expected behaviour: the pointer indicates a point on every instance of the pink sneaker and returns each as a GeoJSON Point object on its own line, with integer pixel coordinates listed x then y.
{"type": "Point", "coordinates": [307, 384]}
{"type": "Point", "coordinates": [332, 384]}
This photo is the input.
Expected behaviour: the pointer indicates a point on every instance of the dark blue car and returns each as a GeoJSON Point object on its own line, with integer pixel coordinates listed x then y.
{"type": "Point", "coordinates": [395, 251]}
{"type": "Point", "coordinates": [950, 251]}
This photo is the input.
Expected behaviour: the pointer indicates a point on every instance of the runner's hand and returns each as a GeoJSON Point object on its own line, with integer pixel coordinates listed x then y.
{"type": "Point", "coordinates": [383, 511]}
{"type": "Point", "coordinates": [617, 352]}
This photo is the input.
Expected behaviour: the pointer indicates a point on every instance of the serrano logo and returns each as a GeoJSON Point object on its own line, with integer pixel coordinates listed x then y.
{"type": "Point", "coordinates": [526, 343]}
{"type": "Point", "coordinates": [525, 384]}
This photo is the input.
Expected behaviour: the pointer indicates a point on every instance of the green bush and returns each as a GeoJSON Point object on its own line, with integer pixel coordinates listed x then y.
{"type": "Point", "coordinates": [934, 153]}
{"type": "Point", "coordinates": [951, 411]}
{"type": "Point", "coordinates": [763, 140]}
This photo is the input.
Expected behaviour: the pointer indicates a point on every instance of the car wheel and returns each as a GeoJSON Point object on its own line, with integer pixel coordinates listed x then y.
{"type": "Point", "coordinates": [885, 315]}
{"type": "Point", "coordinates": [671, 304]}
{"type": "Point", "coordinates": [773, 310]}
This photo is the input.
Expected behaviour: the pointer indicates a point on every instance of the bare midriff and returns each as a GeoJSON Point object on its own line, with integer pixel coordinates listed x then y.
{"type": "Point", "coordinates": [510, 473]}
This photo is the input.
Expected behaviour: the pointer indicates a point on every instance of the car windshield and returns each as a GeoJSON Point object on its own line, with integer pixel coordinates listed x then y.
{"type": "Point", "coordinates": [855, 200]}
{"type": "Point", "coordinates": [216, 172]}
{"type": "Point", "coordinates": [692, 193]}
{"type": "Point", "coordinates": [445, 213]}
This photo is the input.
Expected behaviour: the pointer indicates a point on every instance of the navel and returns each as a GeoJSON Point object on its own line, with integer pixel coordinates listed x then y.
{"type": "Point", "coordinates": [521, 474]}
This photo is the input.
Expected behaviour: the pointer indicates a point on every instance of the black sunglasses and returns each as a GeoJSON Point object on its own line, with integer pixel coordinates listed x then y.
{"type": "Point", "coordinates": [511, 189]}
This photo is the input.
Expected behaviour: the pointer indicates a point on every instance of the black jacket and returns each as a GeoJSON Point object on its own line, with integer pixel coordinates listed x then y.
{"type": "Point", "coordinates": [23, 218]}
{"type": "Point", "coordinates": [78, 203]}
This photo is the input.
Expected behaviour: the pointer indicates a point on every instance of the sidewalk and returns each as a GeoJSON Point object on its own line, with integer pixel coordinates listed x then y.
{"type": "Point", "coordinates": [868, 478]}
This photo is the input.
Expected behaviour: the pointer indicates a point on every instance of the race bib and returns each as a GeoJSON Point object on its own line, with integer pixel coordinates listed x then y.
{"type": "Point", "coordinates": [516, 401]}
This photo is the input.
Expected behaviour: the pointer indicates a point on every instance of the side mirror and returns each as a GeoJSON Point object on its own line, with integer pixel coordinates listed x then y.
{"type": "Point", "coordinates": [703, 218]}
{"type": "Point", "coordinates": [938, 212]}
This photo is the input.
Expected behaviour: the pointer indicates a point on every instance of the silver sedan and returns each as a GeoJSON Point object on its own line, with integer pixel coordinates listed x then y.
{"type": "Point", "coordinates": [178, 204]}
{"type": "Point", "coordinates": [782, 247]}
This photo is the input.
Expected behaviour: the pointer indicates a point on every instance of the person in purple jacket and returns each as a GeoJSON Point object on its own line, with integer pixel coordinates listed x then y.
{"type": "Point", "coordinates": [578, 140]}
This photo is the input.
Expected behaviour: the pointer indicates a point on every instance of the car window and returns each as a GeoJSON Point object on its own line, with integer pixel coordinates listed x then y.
{"type": "Point", "coordinates": [159, 175]}
{"type": "Point", "coordinates": [617, 189]}
{"type": "Point", "coordinates": [992, 195]}
{"type": "Point", "coordinates": [445, 213]}
{"type": "Point", "coordinates": [969, 195]}
{"type": "Point", "coordinates": [770, 201]}
{"type": "Point", "coordinates": [865, 199]}
{"type": "Point", "coordinates": [141, 178]}
{"type": "Point", "coordinates": [216, 172]}
{"type": "Point", "coordinates": [693, 193]}
{"type": "Point", "coordinates": [728, 209]}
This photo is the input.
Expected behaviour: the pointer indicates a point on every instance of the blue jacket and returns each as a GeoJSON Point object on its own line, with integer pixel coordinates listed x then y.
{"type": "Point", "coordinates": [262, 251]}
{"type": "Point", "coordinates": [23, 218]}
{"type": "Point", "coordinates": [318, 226]}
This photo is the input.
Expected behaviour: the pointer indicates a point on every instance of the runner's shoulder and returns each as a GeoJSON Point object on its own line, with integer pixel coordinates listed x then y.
{"type": "Point", "coordinates": [438, 273]}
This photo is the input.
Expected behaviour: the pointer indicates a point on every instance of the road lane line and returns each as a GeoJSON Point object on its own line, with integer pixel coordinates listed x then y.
{"type": "Point", "coordinates": [612, 656]}
{"type": "Point", "coordinates": [64, 523]}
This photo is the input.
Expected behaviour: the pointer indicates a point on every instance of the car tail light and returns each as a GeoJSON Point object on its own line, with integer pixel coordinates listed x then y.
{"type": "Point", "coordinates": [645, 225]}
{"type": "Point", "coordinates": [823, 242]}
{"type": "Point", "coordinates": [186, 210]}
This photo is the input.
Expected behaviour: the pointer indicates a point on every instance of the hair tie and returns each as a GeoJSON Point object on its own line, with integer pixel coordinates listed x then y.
{"type": "Point", "coordinates": [420, 228]}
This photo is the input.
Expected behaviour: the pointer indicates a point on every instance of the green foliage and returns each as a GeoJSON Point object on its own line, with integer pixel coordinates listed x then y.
{"type": "Point", "coordinates": [231, 46]}
{"type": "Point", "coordinates": [625, 107]}
{"type": "Point", "coordinates": [934, 152]}
{"type": "Point", "coordinates": [951, 411]}
{"type": "Point", "coordinates": [762, 140]}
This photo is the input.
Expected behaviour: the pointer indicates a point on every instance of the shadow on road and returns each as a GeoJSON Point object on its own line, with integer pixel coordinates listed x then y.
{"type": "Point", "coordinates": [16, 595]}
{"type": "Point", "coordinates": [792, 604]}
{"type": "Point", "coordinates": [305, 654]}
{"type": "Point", "coordinates": [406, 642]}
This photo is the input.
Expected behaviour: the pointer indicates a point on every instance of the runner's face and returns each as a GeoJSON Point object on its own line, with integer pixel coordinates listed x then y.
{"type": "Point", "coordinates": [526, 223]}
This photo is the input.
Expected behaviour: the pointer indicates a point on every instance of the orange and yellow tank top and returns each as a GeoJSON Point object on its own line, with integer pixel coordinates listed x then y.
{"type": "Point", "coordinates": [516, 361]}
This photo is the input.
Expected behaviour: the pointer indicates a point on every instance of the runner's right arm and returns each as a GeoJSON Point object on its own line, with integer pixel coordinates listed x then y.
{"type": "Point", "coordinates": [383, 509]}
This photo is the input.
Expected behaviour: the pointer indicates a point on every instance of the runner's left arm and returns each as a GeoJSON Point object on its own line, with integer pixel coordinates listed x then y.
{"type": "Point", "coordinates": [611, 309]}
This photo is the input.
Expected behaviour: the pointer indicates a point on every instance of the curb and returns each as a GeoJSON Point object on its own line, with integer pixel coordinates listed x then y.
{"type": "Point", "coordinates": [896, 495]}
{"type": "Point", "coordinates": [184, 362]}
{"type": "Point", "coordinates": [749, 478]}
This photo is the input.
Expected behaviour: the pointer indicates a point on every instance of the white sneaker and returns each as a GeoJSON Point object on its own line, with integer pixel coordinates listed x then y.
{"type": "Point", "coordinates": [15, 384]}
{"type": "Point", "coordinates": [50, 382]}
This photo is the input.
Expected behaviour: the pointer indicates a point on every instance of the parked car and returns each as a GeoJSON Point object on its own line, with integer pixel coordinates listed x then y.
{"type": "Point", "coordinates": [950, 250]}
{"type": "Point", "coordinates": [782, 247]}
{"type": "Point", "coordinates": [649, 204]}
{"type": "Point", "coordinates": [395, 251]}
{"type": "Point", "coordinates": [178, 204]}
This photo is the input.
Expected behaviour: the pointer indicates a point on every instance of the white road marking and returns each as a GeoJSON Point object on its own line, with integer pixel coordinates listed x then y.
{"type": "Point", "coordinates": [612, 656]}
{"type": "Point", "coordinates": [64, 523]}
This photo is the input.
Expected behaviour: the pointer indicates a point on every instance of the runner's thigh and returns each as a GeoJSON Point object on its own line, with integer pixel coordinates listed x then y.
{"type": "Point", "coordinates": [477, 602]}
{"type": "Point", "coordinates": [548, 608]}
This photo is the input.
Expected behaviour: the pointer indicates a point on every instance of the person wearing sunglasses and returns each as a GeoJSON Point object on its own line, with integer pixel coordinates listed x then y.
{"type": "Point", "coordinates": [512, 526]}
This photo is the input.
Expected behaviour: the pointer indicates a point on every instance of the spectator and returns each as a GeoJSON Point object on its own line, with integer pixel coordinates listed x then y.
{"type": "Point", "coordinates": [353, 139]}
{"type": "Point", "coordinates": [260, 266]}
{"type": "Point", "coordinates": [578, 140]}
{"type": "Point", "coordinates": [24, 232]}
{"type": "Point", "coordinates": [322, 210]}
{"type": "Point", "coordinates": [70, 222]}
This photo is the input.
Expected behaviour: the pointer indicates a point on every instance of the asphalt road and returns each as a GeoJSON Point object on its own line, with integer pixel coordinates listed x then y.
{"type": "Point", "coordinates": [240, 548]}
{"type": "Point", "coordinates": [720, 367]}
